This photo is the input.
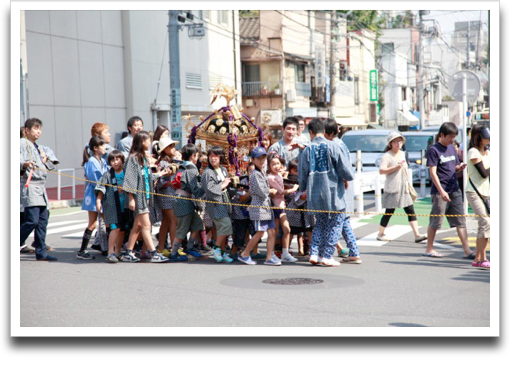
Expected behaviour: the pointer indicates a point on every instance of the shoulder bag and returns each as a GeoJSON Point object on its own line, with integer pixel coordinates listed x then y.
{"type": "Point", "coordinates": [411, 189]}
{"type": "Point", "coordinates": [487, 202]}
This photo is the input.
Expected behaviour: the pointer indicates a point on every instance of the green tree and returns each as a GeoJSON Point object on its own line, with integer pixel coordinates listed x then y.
{"type": "Point", "coordinates": [403, 21]}
{"type": "Point", "coordinates": [364, 19]}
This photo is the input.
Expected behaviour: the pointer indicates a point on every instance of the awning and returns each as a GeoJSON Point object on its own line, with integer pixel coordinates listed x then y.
{"type": "Point", "coordinates": [350, 121]}
{"type": "Point", "coordinates": [406, 118]}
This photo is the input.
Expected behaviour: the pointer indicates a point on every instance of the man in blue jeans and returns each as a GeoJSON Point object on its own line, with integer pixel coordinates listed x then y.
{"type": "Point", "coordinates": [445, 192]}
{"type": "Point", "coordinates": [34, 196]}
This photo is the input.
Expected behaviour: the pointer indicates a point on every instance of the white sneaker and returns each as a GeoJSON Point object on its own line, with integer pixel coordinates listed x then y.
{"type": "Point", "coordinates": [313, 259]}
{"type": "Point", "coordinates": [275, 258]}
{"type": "Point", "coordinates": [328, 262]}
{"type": "Point", "coordinates": [288, 258]}
{"type": "Point", "coordinates": [159, 258]}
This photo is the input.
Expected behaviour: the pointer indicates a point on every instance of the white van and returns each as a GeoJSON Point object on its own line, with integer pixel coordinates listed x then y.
{"type": "Point", "coordinates": [371, 143]}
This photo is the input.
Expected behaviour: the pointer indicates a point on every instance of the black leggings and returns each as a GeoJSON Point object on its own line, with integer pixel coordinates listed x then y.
{"type": "Point", "coordinates": [408, 210]}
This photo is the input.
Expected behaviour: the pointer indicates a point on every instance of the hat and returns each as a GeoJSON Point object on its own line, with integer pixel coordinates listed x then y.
{"type": "Point", "coordinates": [258, 152]}
{"type": "Point", "coordinates": [165, 142]}
{"type": "Point", "coordinates": [484, 133]}
{"type": "Point", "coordinates": [394, 135]}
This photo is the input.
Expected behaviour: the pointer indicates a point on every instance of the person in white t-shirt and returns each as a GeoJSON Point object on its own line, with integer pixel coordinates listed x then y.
{"type": "Point", "coordinates": [301, 127]}
{"type": "Point", "coordinates": [478, 189]}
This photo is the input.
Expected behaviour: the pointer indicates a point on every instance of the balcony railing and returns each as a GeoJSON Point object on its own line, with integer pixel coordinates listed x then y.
{"type": "Point", "coordinates": [261, 89]}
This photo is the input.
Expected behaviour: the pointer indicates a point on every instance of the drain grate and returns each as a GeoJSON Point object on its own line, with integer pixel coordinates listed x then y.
{"type": "Point", "coordinates": [293, 281]}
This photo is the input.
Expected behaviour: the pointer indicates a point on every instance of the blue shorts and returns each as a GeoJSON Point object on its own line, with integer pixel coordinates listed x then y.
{"type": "Point", "coordinates": [277, 213]}
{"type": "Point", "coordinates": [263, 225]}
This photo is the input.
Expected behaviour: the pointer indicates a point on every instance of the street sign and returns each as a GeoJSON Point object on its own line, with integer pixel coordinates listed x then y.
{"type": "Point", "coordinates": [373, 85]}
{"type": "Point", "coordinates": [472, 86]}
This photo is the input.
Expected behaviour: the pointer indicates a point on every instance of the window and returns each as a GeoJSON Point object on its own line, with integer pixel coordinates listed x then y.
{"type": "Point", "coordinates": [403, 94]}
{"type": "Point", "coordinates": [366, 143]}
{"type": "Point", "coordinates": [387, 47]}
{"type": "Point", "coordinates": [206, 15]}
{"type": "Point", "coordinates": [193, 81]}
{"type": "Point", "coordinates": [251, 73]}
{"type": "Point", "coordinates": [223, 17]}
{"type": "Point", "coordinates": [299, 72]}
{"type": "Point", "coordinates": [417, 143]}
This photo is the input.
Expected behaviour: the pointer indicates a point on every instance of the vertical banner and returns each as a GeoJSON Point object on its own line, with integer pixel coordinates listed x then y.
{"type": "Point", "coordinates": [373, 85]}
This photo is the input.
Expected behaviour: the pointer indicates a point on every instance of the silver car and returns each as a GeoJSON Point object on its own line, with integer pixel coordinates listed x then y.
{"type": "Point", "coordinates": [415, 142]}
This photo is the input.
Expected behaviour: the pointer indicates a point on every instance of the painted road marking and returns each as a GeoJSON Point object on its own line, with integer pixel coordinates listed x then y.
{"type": "Point", "coordinates": [393, 232]}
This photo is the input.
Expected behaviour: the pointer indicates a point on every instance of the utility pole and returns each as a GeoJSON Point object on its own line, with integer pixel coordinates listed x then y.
{"type": "Point", "coordinates": [333, 32]}
{"type": "Point", "coordinates": [420, 92]}
{"type": "Point", "coordinates": [234, 55]}
{"type": "Point", "coordinates": [175, 76]}
{"type": "Point", "coordinates": [467, 43]}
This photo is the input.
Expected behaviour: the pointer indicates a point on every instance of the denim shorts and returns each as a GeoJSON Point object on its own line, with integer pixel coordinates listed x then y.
{"type": "Point", "coordinates": [263, 225]}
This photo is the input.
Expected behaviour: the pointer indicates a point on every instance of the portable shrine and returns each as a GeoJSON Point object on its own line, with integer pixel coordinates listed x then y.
{"type": "Point", "coordinates": [229, 128]}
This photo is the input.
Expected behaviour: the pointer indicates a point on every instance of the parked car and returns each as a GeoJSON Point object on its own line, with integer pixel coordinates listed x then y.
{"type": "Point", "coordinates": [435, 129]}
{"type": "Point", "coordinates": [371, 143]}
{"type": "Point", "coordinates": [415, 142]}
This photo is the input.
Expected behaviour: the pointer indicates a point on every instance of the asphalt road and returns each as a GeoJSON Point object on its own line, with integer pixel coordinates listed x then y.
{"type": "Point", "coordinates": [394, 287]}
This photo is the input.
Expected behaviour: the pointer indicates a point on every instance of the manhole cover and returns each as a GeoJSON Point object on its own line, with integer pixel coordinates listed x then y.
{"type": "Point", "coordinates": [293, 281]}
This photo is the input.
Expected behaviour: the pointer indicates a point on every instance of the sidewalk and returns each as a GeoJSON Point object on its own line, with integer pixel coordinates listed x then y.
{"type": "Point", "coordinates": [66, 199]}
{"type": "Point", "coordinates": [422, 209]}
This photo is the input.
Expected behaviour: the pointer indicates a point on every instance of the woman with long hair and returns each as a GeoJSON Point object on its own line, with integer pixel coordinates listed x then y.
{"type": "Point", "coordinates": [478, 189]}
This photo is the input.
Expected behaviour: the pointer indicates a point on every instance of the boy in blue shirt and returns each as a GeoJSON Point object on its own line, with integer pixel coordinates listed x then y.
{"type": "Point", "coordinates": [446, 195]}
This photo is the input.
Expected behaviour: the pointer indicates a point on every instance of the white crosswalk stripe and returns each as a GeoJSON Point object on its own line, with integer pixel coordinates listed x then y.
{"type": "Point", "coordinates": [65, 229]}
{"type": "Point", "coordinates": [80, 234]}
{"type": "Point", "coordinates": [392, 232]}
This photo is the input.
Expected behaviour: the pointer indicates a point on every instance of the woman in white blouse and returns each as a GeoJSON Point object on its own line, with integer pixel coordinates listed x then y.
{"type": "Point", "coordinates": [396, 193]}
{"type": "Point", "coordinates": [478, 189]}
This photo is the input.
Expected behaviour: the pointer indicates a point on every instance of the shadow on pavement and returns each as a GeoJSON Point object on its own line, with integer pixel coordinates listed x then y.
{"type": "Point", "coordinates": [404, 324]}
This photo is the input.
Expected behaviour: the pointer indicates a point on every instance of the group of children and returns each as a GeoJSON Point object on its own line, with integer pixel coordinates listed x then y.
{"type": "Point", "coordinates": [145, 189]}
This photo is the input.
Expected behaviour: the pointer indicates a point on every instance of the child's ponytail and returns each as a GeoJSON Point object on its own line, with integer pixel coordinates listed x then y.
{"type": "Point", "coordinates": [95, 141]}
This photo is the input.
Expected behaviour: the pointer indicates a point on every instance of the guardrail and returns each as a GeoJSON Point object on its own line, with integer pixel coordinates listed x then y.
{"type": "Point", "coordinates": [73, 182]}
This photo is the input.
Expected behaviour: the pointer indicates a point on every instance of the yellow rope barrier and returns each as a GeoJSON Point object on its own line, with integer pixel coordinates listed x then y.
{"type": "Point", "coordinates": [268, 207]}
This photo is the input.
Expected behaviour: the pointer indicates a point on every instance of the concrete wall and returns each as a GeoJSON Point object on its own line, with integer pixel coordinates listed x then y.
{"type": "Point", "coordinates": [75, 78]}
{"type": "Point", "coordinates": [145, 38]}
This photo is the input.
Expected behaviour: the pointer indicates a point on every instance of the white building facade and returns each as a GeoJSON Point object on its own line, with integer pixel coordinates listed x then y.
{"type": "Point", "coordinates": [82, 67]}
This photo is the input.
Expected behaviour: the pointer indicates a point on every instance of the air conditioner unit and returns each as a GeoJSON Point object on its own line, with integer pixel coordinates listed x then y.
{"type": "Point", "coordinates": [291, 95]}
{"type": "Point", "coordinates": [271, 117]}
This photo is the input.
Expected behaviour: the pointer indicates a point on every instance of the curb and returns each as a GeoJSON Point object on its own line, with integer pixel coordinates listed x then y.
{"type": "Point", "coordinates": [61, 204]}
